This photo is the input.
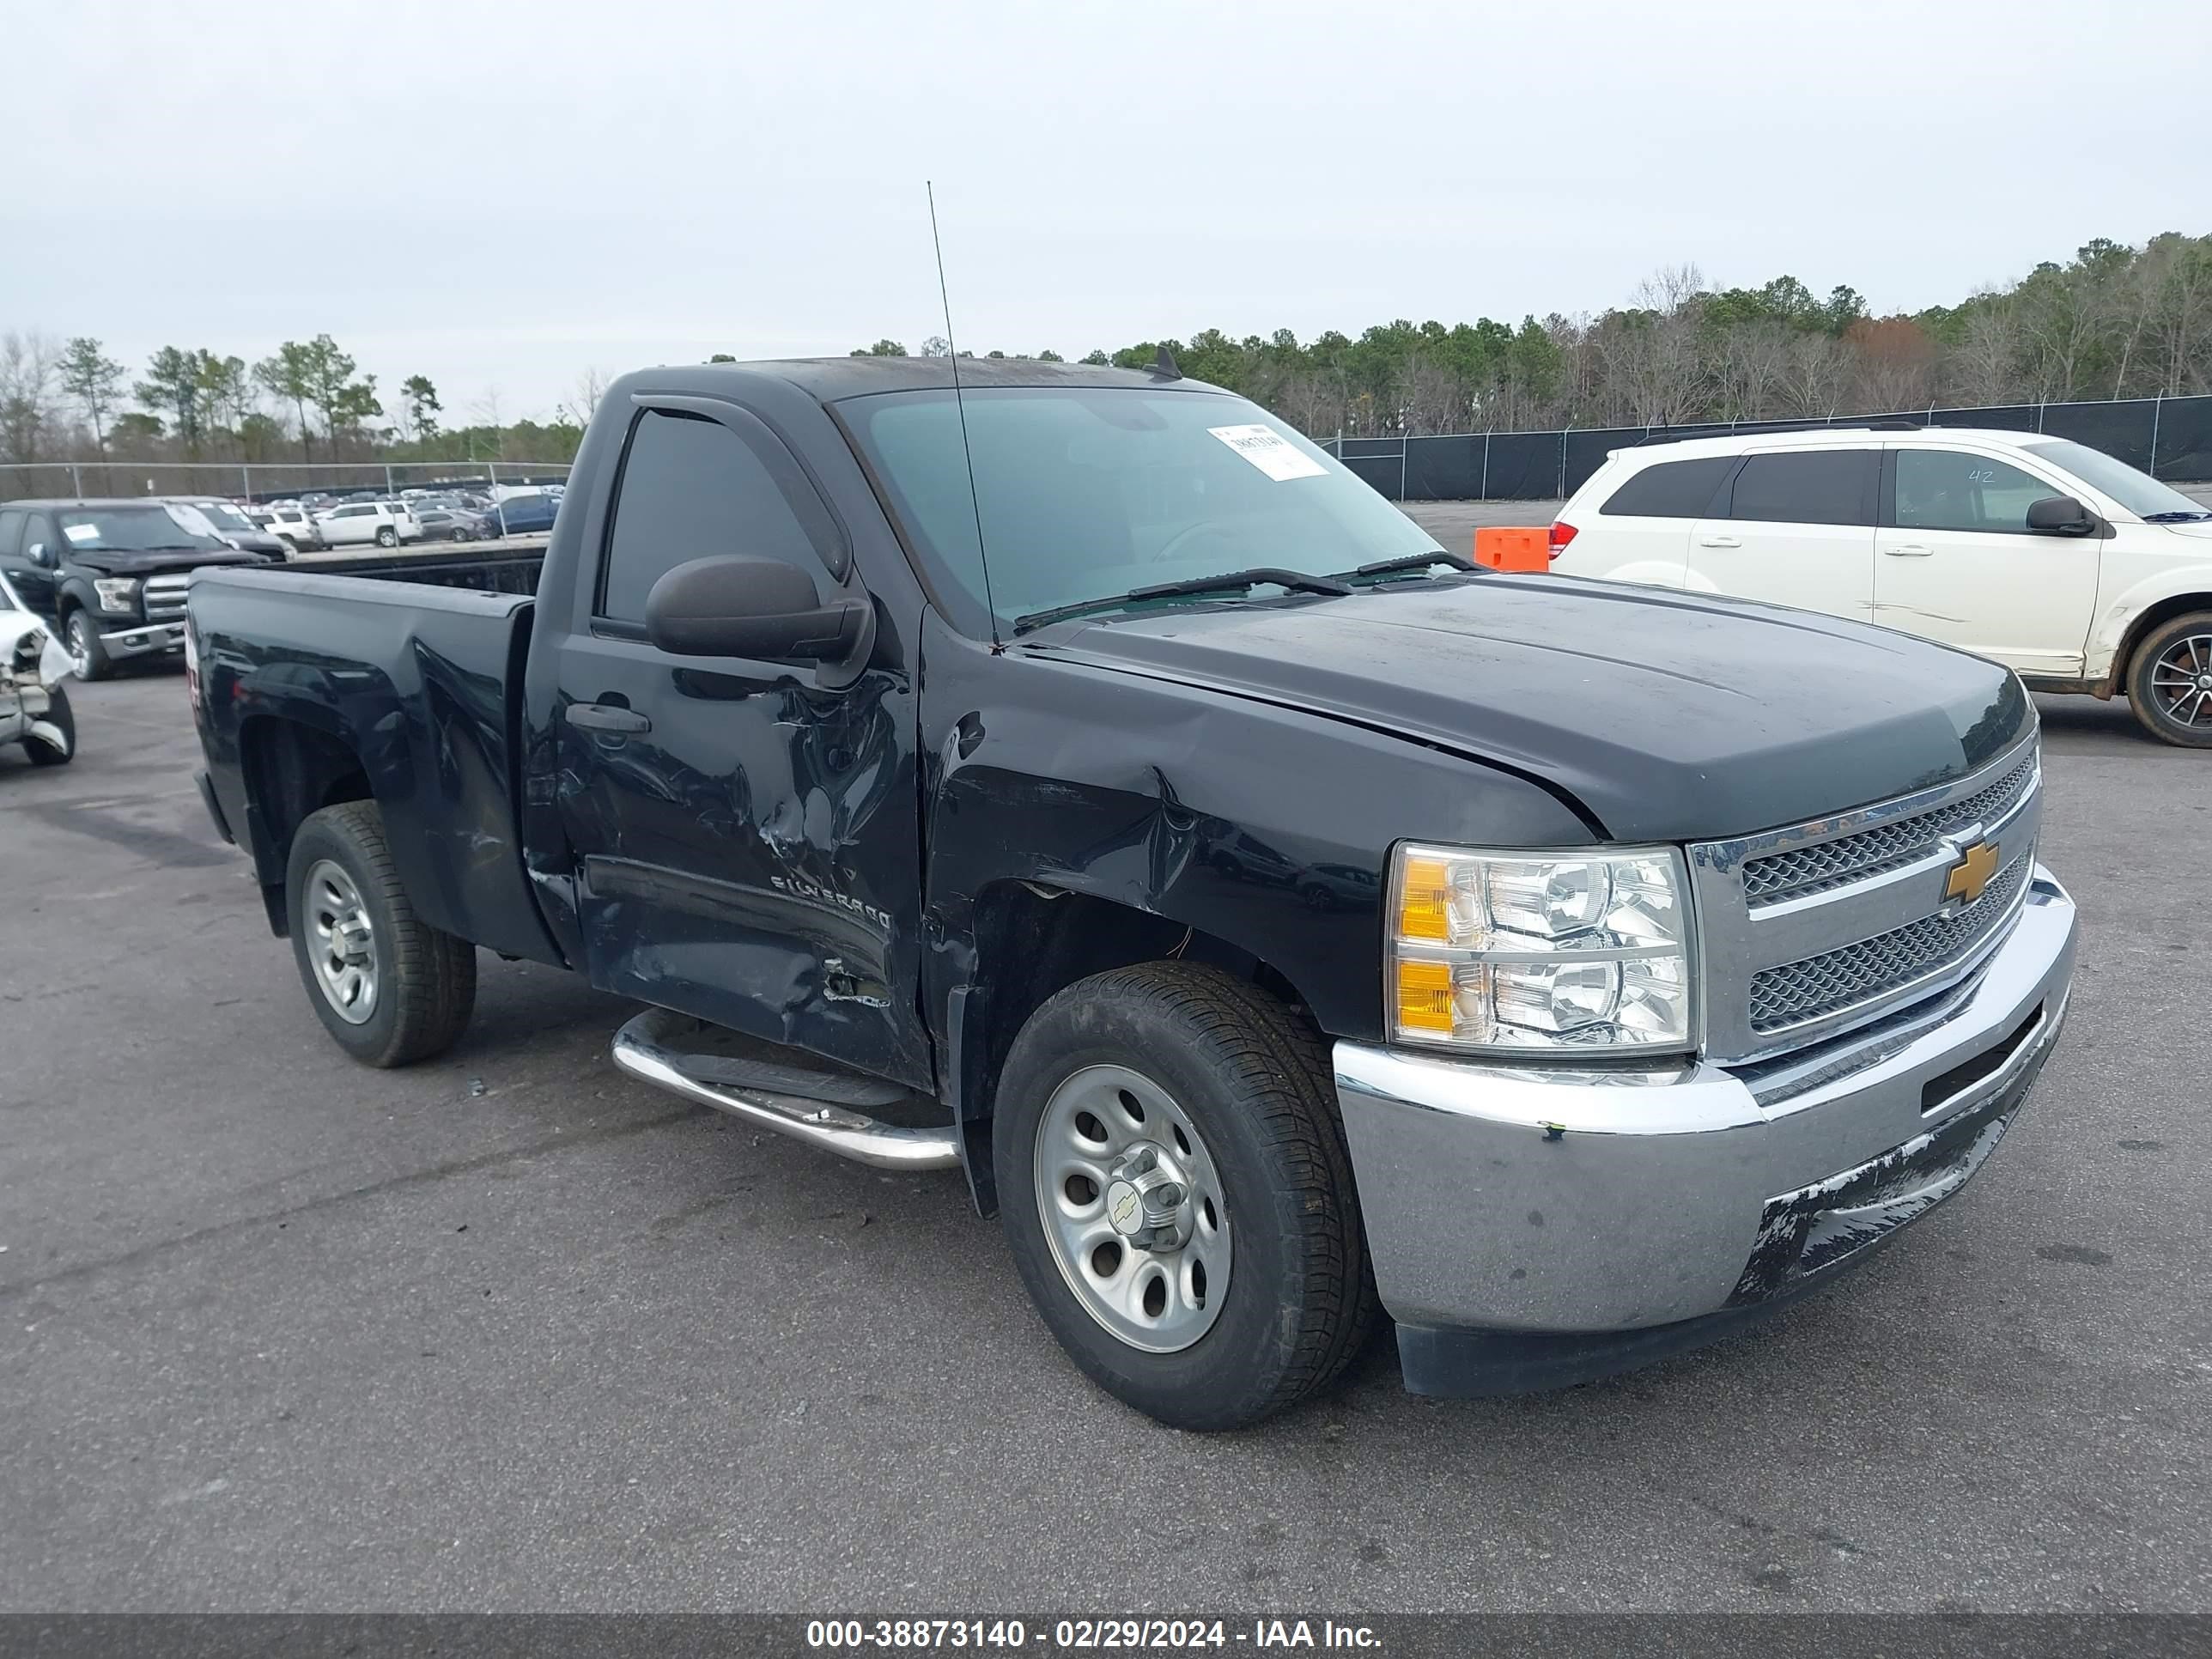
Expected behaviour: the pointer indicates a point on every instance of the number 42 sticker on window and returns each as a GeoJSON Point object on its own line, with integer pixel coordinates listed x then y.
{"type": "Point", "coordinates": [1269, 451]}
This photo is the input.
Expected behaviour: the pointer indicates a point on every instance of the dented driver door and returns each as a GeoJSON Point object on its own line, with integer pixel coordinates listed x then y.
{"type": "Point", "coordinates": [746, 832]}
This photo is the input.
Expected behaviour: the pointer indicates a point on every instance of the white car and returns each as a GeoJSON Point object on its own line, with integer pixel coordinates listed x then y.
{"type": "Point", "coordinates": [34, 708]}
{"type": "Point", "coordinates": [289, 523]}
{"type": "Point", "coordinates": [2072, 568]}
{"type": "Point", "coordinates": [388, 524]}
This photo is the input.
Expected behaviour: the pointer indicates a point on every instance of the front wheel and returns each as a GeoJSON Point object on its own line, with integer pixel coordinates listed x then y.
{"type": "Point", "coordinates": [87, 655]}
{"type": "Point", "coordinates": [64, 720]}
{"type": "Point", "coordinates": [388, 987]}
{"type": "Point", "coordinates": [1178, 1196]}
{"type": "Point", "coordinates": [2170, 682]}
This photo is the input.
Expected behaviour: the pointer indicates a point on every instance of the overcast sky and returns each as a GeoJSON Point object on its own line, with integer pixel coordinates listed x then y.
{"type": "Point", "coordinates": [502, 197]}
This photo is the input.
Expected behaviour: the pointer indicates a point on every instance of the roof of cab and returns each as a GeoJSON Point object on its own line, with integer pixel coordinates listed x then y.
{"type": "Point", "coordinates": [829, 379]}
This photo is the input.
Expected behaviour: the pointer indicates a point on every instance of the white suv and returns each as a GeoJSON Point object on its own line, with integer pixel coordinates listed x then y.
{"type": "Point", "coordinates": [385, 523]}
{"type": "Point", "coordinates": [2072, 568]}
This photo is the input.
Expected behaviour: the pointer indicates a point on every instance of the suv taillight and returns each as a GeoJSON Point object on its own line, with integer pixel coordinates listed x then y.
{"type": "Point", "coordinates": [1562, 533]}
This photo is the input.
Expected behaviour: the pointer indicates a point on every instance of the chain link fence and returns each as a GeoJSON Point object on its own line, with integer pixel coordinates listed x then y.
{"type": "Point", "coordinates": [2169, 438]}
{"type": "Point", "coordinates": [272, 481]}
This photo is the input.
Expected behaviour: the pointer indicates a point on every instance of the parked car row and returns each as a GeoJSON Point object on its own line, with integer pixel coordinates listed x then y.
{"type": "Point", "coordinates": [2072, 568]}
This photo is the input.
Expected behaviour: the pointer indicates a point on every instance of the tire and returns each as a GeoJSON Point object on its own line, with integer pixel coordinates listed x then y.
{"type": "Point", "coordinates": [291, 547]}
{"type": "Point", "coordinates": [60, 714]}
{"type": "Point", "coordinates": [81, 639]}
{"type": "Point", "coordinates": [2170, 675]}
{"type": "Point", "coordinates": [1251, 1081]}
{"type": "Point", "coordinates": [387, 537]}
{"type": "Point", "coordinates": [422, 983]}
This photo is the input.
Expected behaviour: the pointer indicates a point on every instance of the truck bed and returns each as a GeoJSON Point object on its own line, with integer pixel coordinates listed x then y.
{"type": "Point", "coordinates": [505, 567]}
{"type": "Point", "coordinates": [402, 674]}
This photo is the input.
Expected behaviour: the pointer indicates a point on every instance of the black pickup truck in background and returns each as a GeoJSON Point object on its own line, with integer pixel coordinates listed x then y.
{"type": "Point", "coordinates": [1076, 778]}
{"type": "Point", "coordinates": [108, 576]}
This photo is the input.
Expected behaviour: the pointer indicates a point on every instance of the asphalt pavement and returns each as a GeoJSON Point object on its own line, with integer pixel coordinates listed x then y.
{"type": "Point", "coordinates": [512, 1330]}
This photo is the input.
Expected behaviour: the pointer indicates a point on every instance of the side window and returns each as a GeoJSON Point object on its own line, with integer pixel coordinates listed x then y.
{"type": "Point", "coordinates": [1806, 486]}
{"type": "Point", "coordinates": [1672, 489]}
{"type": "Point", "coordinates": [11, 532]}
{"type": "Point", "coordinates": [1950, 489]}
{"type": "Point", "coordinates": [692, 488]}
{"type": "Point", "coordinates": [39, 531]}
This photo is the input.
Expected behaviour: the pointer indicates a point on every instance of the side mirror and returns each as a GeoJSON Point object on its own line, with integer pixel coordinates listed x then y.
{"type": "Point", "coordinates": [2061, 515]}
{"type": "Point", "coordinates": [743, 605]}
{"type": "Point", "coordinates": [39, 554]}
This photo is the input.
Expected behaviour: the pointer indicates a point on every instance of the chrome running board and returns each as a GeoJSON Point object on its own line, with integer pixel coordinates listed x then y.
{"type": "Point", "coordinates": [651, 1047]}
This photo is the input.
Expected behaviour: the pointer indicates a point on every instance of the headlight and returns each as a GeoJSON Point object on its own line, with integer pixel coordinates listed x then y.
{"type": "Point", "coordinates": [1510, 950]}
{"type": "Point", "coordinates": [116, 592]}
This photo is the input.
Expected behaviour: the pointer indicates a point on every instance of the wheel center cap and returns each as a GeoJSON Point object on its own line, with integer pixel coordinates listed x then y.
{"type": "Point", "coordinates": [1125, 1208]}
{"type": "Point", "coordinates": [1147, 1201]}
{"type": "Point", "coordinates": [2204, 682]}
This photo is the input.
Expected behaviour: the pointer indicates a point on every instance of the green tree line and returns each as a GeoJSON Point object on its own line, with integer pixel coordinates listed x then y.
{"type": "Point", "coordinates": [2112, 322]}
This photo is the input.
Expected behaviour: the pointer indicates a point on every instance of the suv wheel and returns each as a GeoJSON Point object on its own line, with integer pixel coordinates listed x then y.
{"type": "Point", "coordinates": [2170, 682]}
{"type": "Point", "coordinates": [387, 537]}
{"type": "Point", "coordinates": [1178, 1196]}
{"type": "Point", "coordinates": [388, 986]}
{"type": "Point", "coordinates": [81, 639]}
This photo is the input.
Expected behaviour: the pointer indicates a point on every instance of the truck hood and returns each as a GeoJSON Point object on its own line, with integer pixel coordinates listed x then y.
{"type": "Point", "coordinates": [111, 561]}
{"type": "Point", "coordinates": [1667, 716]}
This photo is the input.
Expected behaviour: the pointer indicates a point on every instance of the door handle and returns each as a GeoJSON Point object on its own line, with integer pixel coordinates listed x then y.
{"type": "Point", "coordinates": [607, 717]}
{"type": "Point", "coordinates": [1719, 541]}
{"type": "Point", "coordinates": [1908, 550]}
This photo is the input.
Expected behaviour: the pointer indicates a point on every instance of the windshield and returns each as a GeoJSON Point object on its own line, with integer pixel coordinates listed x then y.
{"type": "Point", "coordinates": [2138, 492]}
{"type": "Point", "coordinates": [1085, 492]}
{"type": "Point", "coordinates": [138, 529]}
{"type": "Point", "coordinates": [226, 516]}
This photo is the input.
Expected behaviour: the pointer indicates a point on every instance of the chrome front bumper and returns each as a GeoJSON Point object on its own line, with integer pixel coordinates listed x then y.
{"type": "Point", "coordinates": [141, 638]}
{"type": "Point", "coordinates": [1533, 1198]}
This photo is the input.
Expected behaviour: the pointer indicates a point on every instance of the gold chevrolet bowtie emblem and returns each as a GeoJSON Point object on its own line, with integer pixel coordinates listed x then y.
{"type": "Point", "coordinates": [1976, 864]}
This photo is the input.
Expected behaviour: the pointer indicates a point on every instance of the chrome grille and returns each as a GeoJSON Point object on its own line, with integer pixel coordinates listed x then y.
{"type": "Point", "coordinates": [165, 598]}
{"type": "Point", "coordinates": [1832, 864]}
{"type": "Point", "coordinates": [1819, 928]}
{"type": "Point", "coordinates": [1873, 967]}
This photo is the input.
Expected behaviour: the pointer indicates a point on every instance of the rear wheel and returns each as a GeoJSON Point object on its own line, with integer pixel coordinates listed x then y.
{"type": "Point", "coordinates": [389, 988]}
{"type": "Point", "coordinates": [387, 537]}
{"type": "Point", "coordinates": [60, 717]}
{"type": "Point", "coordinates": [2170, 682]}
{"type": "Point", "coordinates": [1178, 1196]}
{"type": "Point", "coordinates": [87, 655]}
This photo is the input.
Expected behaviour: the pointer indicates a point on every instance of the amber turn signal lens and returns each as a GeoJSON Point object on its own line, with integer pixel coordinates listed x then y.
{"type": "Point", "coordinates": [1424, 900]}
{"type": "Point", "coordinates": [1425, 996]}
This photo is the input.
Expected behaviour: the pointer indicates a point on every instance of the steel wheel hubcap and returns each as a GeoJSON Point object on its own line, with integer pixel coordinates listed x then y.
{"type": "Point", "coordinates": [1133, 1208]}
{"type": "Point", "coordinates": [2181, 680]}
{"type": "Point", "coordinates": [342, 944]}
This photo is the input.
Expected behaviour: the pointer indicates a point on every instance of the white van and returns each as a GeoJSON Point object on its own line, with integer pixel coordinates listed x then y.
{"type": "Point", "coordinates": [2073, 569]}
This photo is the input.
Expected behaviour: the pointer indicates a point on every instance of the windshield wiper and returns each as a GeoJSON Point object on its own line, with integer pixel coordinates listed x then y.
{"type": "Point", "coordinates": [1231, 581]}
{"type": "Point", "coordinates": [1410, 561]}
{"type": "Point", "coordinates": [2179, 515]}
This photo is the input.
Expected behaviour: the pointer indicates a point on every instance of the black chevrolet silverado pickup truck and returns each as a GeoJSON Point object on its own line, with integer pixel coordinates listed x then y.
{"type": "Point", "coordinates": [1074, 777]}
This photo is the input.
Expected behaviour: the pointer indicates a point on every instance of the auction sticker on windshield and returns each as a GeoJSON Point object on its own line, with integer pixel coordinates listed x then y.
{"type": "Point", "coordinates": [1269, 451]}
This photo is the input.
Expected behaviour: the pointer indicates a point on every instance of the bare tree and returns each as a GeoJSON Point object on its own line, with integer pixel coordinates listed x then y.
{"type": "Point", "coordinates": [27, 413]}
{"type": "Point", "coordinates": [1984, 367]}
{"type": "Point", "coordinates": [1813, 375]}
{"type": "Point", "coordinates": [583, 398]}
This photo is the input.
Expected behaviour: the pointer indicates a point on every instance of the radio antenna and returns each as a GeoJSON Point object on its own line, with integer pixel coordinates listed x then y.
{"type": "Point", "coordinates": [966, 452]}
